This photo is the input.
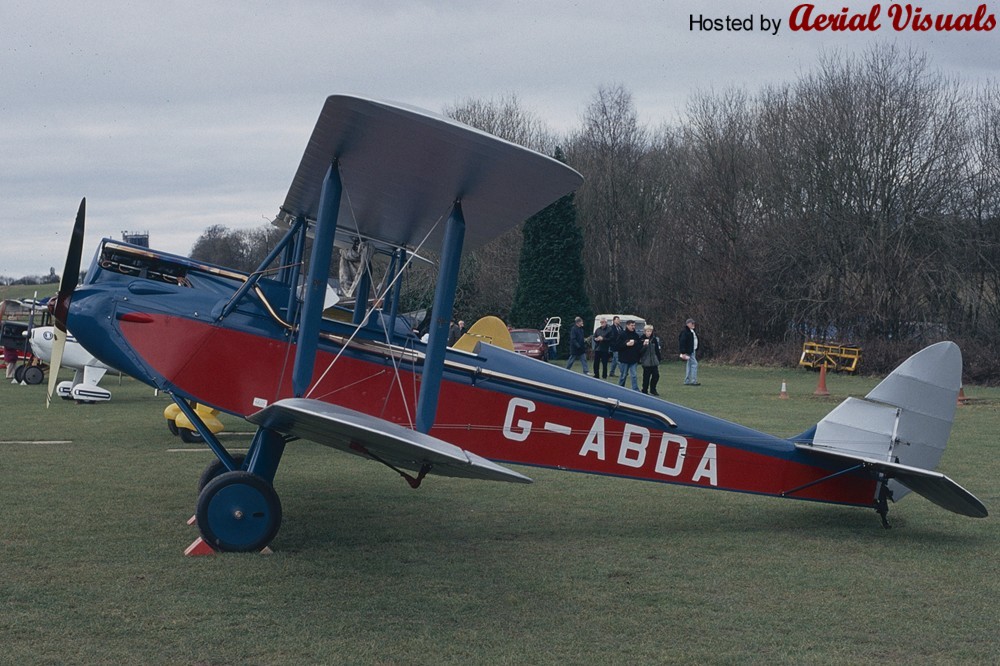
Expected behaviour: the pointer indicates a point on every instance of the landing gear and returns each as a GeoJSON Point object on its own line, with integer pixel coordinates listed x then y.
{"type": "Point", "coordinates": [238, 512]}
{"type": "Point", "coordinates": [238, 509]}
{"type": "Point", "coordinates": [882, 502]}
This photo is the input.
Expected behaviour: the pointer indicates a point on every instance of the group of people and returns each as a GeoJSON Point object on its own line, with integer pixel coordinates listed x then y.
{"type": "Point", "coordinates": [625, 349]}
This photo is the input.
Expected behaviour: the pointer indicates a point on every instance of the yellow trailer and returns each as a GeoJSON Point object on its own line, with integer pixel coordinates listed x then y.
{"type": "Point", "coordinates": [835, 357]}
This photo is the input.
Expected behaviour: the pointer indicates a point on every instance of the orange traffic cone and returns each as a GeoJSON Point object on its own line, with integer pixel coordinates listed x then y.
{"type": "Point", "coordinates": [821, 387]}
{"type": "Point", "coordinates": [784, 392]}
{"type": "Point", "coordinates": [962, 400]}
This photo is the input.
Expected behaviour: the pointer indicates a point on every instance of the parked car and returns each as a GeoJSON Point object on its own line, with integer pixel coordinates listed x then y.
{"type": "Point", "coordinates": [529, 341]}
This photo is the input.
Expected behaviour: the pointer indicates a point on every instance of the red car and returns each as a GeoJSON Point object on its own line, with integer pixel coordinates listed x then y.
{"type": "Point", "coordinates": [529, 341]}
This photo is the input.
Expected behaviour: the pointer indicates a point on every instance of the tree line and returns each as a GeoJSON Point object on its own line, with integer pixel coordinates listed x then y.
{"type": "Point", "coordinates": [858, 203]}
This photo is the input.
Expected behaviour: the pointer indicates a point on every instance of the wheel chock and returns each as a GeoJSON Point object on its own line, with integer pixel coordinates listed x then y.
{"type": "Point", "coordinates": [193, 520]}
{"type": "Point", "coordinates": [199, 547]}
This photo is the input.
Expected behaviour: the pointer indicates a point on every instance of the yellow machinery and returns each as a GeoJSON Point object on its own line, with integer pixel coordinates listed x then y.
{"type": "Point", "coordinates": [835, 357]}
{"type": "Point", "coordinates": [488, 329]}
{"type": "Point", "coordinates": [180, 425]}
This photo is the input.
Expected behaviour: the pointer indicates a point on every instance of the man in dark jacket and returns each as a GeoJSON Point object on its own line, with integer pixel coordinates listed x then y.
{"type": "Point", "coordinates": [602, 349]}
{"type": "Point", "coordinates": [688, 341]}
{"type": "Point", "coordinates": [616, 330]}
{"type": "Point", "coordinates": [629, 350]}
{"type": "Point", "coordinates": [577, 346]}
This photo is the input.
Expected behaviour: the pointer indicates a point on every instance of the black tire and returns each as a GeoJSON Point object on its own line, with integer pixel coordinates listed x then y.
{"type": "Point", "coordinates": [238, 512]}
{"type": "Point", "coordinates": [19, 374]}
{"type": "Point", "coordinates": [190, 436]}
{"type": "Point", "coordinates": [172, 427]}
{"type": "Point", "coordinates": [33, 375]}
{"type": "Point", "coordinates": [215, 468]}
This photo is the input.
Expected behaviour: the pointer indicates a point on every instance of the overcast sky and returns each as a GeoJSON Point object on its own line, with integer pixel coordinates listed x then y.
{"type": "Point", "coordinates": [173, 116]}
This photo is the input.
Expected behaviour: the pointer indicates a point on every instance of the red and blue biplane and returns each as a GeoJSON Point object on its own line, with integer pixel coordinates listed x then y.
{"type": "Point", "coordinates": [395, 180]}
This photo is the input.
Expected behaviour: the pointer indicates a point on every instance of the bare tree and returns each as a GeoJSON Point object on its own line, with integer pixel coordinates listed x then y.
{"type": "Point", "coordinates": [878, 157]}
{"type": "Point", "coordinates": [505, 117]}
{"type": "Point", "coordinates": [616, 202]}
{"type": "Point", "coordinates": [979, 230]}
{"type": "Point", "coordinates": [723, 212]}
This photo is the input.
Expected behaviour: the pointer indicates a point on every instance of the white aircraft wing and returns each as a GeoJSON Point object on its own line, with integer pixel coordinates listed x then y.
{"type": "Point", "coordinates": [368, 436]}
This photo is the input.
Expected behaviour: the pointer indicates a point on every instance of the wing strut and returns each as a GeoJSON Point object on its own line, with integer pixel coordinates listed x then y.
{"type": "Point", "coordinates": [414, 481]}
{"type": "Point", "coordinates": [319, 269]}
{"type": "Point", "coordinates": [444, 303]}
{"type": "Point", "coordinates": [254, 278]}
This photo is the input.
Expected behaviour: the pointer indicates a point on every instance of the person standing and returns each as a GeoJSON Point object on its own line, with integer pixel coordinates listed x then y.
{"type": "Point", "coordinates": [629, 349]}
{"type": "Point", "coordinates": [455, 332]}
{"type": "Point", "coordinates": [650, 358]}
{"type": "Point", "coordinates": [688, 340]}
{"type": "Point", "coordinates": [602, 349]}
{"type": "Point", "coordinates": [616, 332]}
{"type": "Point", "coordinates": [577, 346]}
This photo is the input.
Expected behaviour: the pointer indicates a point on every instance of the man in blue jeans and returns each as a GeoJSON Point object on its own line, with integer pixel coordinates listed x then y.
{"type": "Point", "coordinates": [689, 352]}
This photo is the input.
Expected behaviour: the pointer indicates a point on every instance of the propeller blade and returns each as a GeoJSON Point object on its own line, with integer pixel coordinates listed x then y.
{"type": "Point", "coordinates": [67, 283]}
{"type": "Point", "coordinates": [55, 362]}
{"type": "Point", "coordinates": [71, 272]}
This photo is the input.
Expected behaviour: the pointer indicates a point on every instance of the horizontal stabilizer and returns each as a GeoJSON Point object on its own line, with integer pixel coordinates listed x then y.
{"type": "Point", "coordinates": [935, 486]}
{"type": "Point", "coordinates": [369, 436]}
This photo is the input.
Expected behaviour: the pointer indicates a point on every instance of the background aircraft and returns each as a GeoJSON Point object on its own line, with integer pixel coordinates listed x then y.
{"type": "Point", "coordinates": [88, 371]}
{"type": "Point", "coordinates": [389, 181]}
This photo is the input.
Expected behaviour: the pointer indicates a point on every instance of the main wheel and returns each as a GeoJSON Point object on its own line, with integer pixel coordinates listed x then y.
{"type": "Point", "coordinates": [33, 375]}
{"type": "Point", "coordinates": [216, 468]}
{"type": "Point", "coordinates": [189, 436]}
{"type": "Point", "coordinates": [238, 512]}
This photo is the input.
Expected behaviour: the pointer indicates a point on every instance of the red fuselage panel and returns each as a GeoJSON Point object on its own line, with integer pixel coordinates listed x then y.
{"type": "Point", "coordinates": [241, 373]}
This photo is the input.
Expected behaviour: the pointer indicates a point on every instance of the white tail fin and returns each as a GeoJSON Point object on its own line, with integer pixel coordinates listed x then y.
{"type": "Point", "coordinates": [900, 429]}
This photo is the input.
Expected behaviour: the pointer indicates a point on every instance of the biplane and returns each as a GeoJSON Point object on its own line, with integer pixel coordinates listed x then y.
{"type": "Point", "coordinates": [23, 316]}
{"type": "Point", "coordinates": [396, 182]}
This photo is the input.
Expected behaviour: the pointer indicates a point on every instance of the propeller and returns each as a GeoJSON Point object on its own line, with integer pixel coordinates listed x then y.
{"type": "Point", "coordinates": [60, 312]}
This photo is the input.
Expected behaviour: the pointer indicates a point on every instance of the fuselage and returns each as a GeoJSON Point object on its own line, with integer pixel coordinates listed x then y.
{"type": "Point", "coordinates": [158, 318]}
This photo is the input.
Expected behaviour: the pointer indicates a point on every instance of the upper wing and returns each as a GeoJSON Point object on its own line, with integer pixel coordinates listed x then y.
{"type": "Point", "coordinates": [362, 434]}
{"type": "Point", "coordinates": [402, 169]}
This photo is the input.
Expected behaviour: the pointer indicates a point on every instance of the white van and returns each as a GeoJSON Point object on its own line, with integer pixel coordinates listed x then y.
{"type": "Point", "coordinates": [640, 323]}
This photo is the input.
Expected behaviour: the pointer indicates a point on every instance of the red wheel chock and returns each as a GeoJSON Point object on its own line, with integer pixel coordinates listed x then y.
{"type": "Point", "coordinates": [199, 547]}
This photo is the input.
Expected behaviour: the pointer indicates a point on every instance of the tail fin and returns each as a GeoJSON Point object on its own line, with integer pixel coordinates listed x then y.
{"type": "Point", "coordinates": [900, 430]}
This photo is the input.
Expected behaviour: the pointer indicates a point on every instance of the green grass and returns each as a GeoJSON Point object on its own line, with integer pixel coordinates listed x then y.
{"type": "Point", "coordinates": [19, 291]}
{"type": "Point", "coordinates": [574, 569]}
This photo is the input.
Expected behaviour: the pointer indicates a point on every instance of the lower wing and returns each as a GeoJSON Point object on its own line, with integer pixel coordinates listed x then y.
{"type": "Point", "coordinates": [381, 440]}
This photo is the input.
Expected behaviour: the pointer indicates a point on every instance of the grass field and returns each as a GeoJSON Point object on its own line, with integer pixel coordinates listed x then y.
{"type": "Point", "coordinates": [573, 569]}
{"type": "Point", "coordinates": [19, 291]}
